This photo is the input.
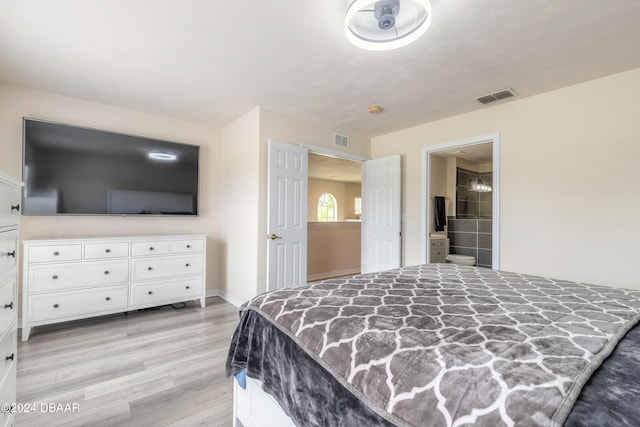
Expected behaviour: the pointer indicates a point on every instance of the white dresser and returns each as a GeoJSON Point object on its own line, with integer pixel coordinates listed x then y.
{"type": "Point", "coordinates": [68, 279]}
{"type": "Point", "coordinates": [10, 193]}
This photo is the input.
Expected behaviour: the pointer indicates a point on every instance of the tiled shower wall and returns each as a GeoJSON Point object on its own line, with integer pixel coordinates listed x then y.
{"type": "Point", "coordinates": [472, 203]}
{"type": "Point", "coordinates": [471, 237]}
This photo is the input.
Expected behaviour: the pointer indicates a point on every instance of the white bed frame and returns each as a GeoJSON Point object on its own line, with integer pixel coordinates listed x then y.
{"type": "Point", "coordinates": [254, 407]}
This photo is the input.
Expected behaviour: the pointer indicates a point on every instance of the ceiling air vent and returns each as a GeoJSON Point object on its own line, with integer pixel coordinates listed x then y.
{"type": "Point", "coordinates": [496, 96]}
{"type": "Point", "coordinates": [341, 140]}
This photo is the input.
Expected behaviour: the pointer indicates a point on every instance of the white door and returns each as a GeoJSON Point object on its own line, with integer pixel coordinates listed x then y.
{"type": "Point", "coordinates": [381, 228]}
{"type": "Point", "coordinates": [287, 215]}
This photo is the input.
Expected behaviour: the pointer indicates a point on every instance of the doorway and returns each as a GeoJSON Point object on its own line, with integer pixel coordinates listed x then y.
{"type": "Point", "coordinates": [466, 175]}
{"type": "Point", "coordinates": [287, 217]}
{"type": "Point", "coordinates": [334, 211]}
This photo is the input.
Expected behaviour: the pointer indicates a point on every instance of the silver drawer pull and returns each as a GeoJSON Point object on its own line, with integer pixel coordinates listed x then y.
{"type": "Point", "coordinates": [12, 254]}
{"type": "Point", "coordinates": [56, 253]}
{"type": "Point", "coordinates": [54, 277]}
{"type": "Point", "coordinates": [55, 306]}
{"type": "Point", "coordinates": [10, 357]}
{"type": "Point", "coordinates": [15, 208]}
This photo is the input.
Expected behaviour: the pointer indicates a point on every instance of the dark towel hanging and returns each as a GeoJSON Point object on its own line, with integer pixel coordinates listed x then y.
{"type": "Point", "coordinates": [441, 213]}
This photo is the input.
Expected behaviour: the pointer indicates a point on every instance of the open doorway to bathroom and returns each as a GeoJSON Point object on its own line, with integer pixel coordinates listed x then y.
{"type": "Point", "coordinates": [460, 202]}
{"type": "Point", "coordinates": [334, 211]}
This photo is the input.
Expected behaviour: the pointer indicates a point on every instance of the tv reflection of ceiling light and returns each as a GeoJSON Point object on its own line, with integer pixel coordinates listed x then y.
{"type": "Point", "coordinates": [158, 155]}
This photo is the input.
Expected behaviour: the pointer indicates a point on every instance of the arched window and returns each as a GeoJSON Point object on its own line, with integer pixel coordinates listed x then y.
{"type": "Point", "coordinates": [327, 208]}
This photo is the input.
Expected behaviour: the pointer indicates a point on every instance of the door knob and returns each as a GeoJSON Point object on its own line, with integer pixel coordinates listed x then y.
{"type": "Point", "coordinates": [275, 236]}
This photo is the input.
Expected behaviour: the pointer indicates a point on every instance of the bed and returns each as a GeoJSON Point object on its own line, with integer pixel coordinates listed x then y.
{"type": "Point", "coordinates": [439, 345]}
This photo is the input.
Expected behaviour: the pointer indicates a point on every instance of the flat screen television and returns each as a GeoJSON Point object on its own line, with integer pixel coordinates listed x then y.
{"type": "Point", "coordinates": [72, 170]}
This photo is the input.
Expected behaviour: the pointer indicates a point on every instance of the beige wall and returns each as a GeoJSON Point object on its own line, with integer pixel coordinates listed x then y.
{"type": "Point", "coordinates": [333, 249]}
{"type": "Point", "coordinates": [239, 187]}
{"type": "Point", "coordinates": [17, 102]}
{"type": "Point", "coordinates": [344, 192]}
{"type": "Point", "coordinates": [569, 198]}
{"type": "Point", "coordinates": [439, 180]}
{"type": "Point", "coordinates": [351, 191]}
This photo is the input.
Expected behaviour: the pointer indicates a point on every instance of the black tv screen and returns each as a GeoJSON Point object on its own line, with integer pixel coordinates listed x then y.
{"type": "Point", "coordinates": [80, 171]}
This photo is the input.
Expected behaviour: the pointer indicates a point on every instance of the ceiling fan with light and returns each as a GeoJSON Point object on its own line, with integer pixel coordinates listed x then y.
{"type": "Point", "coordinates": [386, 24]}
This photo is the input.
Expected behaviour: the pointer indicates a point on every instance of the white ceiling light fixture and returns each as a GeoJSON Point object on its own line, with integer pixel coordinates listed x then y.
{"type": "Point", "coordinates": [386, 24]}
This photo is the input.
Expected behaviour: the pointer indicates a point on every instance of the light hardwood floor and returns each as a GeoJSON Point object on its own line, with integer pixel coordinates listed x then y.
{"type": "Point", "coordinates": [149, 368]}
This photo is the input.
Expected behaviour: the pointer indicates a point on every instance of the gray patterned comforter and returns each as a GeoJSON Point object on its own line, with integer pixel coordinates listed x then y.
{"type": "Point", "coordinates": [441, 344]}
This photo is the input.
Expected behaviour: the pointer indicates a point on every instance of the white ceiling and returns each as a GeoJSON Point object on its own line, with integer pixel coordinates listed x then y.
{"type": "Point", "coordinates": [334, 169]}
{"type": "Point", "coordinates": [211, 61]}
{"type": "Point", "coordinates": [477, 153]}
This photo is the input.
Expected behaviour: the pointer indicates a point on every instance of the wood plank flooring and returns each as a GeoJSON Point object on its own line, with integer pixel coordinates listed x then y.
{"type": "Point", "coordinates": [162, 367]}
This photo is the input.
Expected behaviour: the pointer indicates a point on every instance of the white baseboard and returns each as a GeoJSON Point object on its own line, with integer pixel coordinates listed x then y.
{"type": "Point", "coordinates": [212, 293]}
{"type": "Point", "coordinates": [230, 298]}
{"type": "Point", "coordinates": [336, 273]}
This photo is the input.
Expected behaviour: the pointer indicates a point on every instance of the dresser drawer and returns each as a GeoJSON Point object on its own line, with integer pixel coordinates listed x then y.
{"type": "Point", "coordinates": [158, 292]}
{"type": "Point", "coordinates": [178, 246]}
{"type": "Point", "coordinates": [50, 253]}
{"type": "Point", "coordinates": [154, 268]}
{"type": "Point", "coordinates": [149, 248]}
{"type": "Point", "coordinates": [10, 207]}
{"type": "Point", "coordinates": [69, 304]}
{"type": "Point", "coordinates": [8, 250]}
{"type": "Point", "coordinates": [106, 250]}
{"type": "Point", "coordinates": [8, 351]}
{"type": "Point", "coordinates": [438, 243]}
{"type": "Point", "coordinates": [44, 278]}
{"type": "Point", "coordinates": [8, 301]}
{"type": "Point", "coordinates": [437, 256]}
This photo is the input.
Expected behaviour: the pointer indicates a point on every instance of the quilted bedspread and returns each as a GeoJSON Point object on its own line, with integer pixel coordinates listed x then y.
{"type": "Point", "coordinates": [448, 345]}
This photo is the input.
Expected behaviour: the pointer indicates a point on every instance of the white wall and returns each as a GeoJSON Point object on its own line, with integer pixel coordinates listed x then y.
{"type": "Point", "coordinates": [18, 102]}
{"type": "Point", "coordinates": [569, 197]}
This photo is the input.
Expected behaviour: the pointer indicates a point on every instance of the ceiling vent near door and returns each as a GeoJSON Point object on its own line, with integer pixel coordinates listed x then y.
{"type": "Point", "coordinates": [496, 96]}
{"type": "Point", "coordinates": [341, 140]}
